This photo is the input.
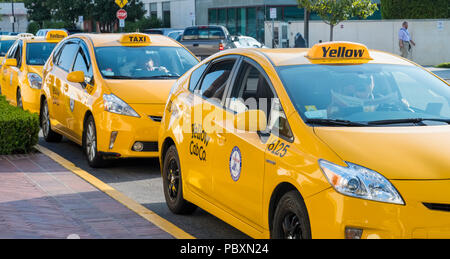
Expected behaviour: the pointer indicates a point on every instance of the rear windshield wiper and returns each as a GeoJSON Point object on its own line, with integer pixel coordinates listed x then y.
{"type": "Point", "coordinates": [333, 122]}
{"type": "Point", "coordinates": [410, 120]}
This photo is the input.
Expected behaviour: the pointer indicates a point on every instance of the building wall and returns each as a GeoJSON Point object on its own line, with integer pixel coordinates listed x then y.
{"type": "Point", "coordinates": [431, 36]}
{"type": "Point", "coordinates": [20, 12]}
{"type": "Point", "coordinates": [182, 12]}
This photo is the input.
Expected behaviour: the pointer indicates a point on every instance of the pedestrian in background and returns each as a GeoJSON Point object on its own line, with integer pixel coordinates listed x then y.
{"type": "Point", "coordinates": [405, 41]}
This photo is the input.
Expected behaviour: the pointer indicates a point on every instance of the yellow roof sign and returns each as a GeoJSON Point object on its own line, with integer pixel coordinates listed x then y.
{"type": "Point", "coordinates": [56, 35]}
{"type": "Point", "coordinates": [339, 53]}
{"type": "Point", "coordinates": [135, 39]}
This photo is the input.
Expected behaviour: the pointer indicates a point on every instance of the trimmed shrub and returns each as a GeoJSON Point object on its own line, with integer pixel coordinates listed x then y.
{"type": "Point", "coordinates": [444, 65]}
{"type": "Point", "coordinates": [19, 129]}
{"type": "Point", "coordinates": [415, 9]}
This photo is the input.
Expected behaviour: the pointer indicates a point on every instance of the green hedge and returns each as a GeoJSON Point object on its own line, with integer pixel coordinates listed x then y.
{"type": "Point", "coordinates": [415, 9]}
{"type": "Point", "coordinates": [18, 129]}
{"type": "Point", "coordinates": [444, 65]}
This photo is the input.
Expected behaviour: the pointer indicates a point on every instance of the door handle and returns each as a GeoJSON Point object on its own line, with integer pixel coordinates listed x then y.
{"type": "Point", "coordinates": [271, 162]}
{"type": "Point", "coordinates": [221, 138]}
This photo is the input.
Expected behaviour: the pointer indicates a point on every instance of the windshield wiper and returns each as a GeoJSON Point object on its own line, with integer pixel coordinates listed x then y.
{"type": "Point", "coordinates": [160, 77]}
{"type": "Point", "coordinates": [118, 77]}
{"type": "Point", "coordinates": [410, 120]}
{"type": "Point", "coordinates": [333, 122]}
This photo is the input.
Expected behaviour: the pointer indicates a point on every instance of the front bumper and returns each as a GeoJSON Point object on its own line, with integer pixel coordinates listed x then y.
{"type": "Point", "coordinates": [129, 131]}
{"type": "Point", "coordinates": [30, 99]}
{"type": "Point", "coordinates": [331, 213]}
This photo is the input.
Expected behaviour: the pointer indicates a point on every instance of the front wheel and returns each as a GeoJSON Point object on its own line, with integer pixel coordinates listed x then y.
{"type": "Point", "coordinates": [172, 184]}
{"type": "Point", "coordinates": [291, 219]}
{"type": "Point", "coordinates": [19, 99]}
{"type": "Point", "coordinates": [94, 158]}
{"type": "Point", "coordinates": [49, 134]}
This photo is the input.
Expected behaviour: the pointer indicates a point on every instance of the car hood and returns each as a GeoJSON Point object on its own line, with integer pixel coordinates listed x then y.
{"type": "Point", "coordinates": [401, 153]}
{"type": "Point", "coordinates": [141, 91]}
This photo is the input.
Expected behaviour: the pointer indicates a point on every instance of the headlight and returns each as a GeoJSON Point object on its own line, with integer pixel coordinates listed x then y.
{"type": "Point", "coordinates": [115, 105]}
{"type": "Point", "coordinates": [360, 182]}
{"type": "Point", "coordinates": [35, 80]}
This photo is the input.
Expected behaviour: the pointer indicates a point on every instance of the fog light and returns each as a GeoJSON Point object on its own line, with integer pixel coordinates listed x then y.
{"type": "Point", "coordinates": [138, 146]}
{"type": "Point", "coordinates": [112, 139]}
{"type": "Point", "coordinates": [353, 233]}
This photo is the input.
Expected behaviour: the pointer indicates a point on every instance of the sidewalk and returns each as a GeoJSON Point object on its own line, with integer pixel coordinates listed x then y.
{"type": "Point", "coordinates": [41, 199]}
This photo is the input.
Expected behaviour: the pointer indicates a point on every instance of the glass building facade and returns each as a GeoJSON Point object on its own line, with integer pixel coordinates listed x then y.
{"type": "Point", "coordinates": [249, 20]}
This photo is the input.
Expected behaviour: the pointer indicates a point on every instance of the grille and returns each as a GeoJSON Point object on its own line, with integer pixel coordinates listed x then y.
{"type": "Point", "coordinates": [156, 118]}
{"type": "Point", "coordinates": [437, 206]}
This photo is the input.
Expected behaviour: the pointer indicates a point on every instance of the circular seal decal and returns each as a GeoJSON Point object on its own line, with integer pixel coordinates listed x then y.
{"type": "Point", "coordinates": [235, 164]}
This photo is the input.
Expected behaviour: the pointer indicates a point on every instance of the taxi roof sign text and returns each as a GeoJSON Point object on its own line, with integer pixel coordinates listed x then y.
{"type": "Point", "coordinates": [56, 35]}
{"type": "Point", "coordinates": [339, 52]}
{"type": "Point", "coordinates": [135, 39]}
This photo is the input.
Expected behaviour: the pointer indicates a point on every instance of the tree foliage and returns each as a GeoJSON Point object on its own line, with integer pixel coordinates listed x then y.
{"type": "Point", "coordinates": [332, 12]}
{"type": "Point", "coordinates": [68, 11]}
{"type": "Point", "coordinates": [415, 9]}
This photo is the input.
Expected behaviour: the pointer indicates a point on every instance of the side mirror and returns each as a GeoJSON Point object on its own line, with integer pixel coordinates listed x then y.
{"type": "Point", "coordinates": [10, 62]}
{"type": "Point", "coordinates": [76, 77]}
{"type": "Point", "coordinates": [251, 120]}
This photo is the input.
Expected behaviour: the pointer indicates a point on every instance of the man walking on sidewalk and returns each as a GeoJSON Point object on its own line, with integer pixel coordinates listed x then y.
{"type": "Point", "coordinates": [405, 41]}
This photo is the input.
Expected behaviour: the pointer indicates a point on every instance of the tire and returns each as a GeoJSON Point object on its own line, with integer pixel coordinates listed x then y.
{"type": "Point", "coordinates": [291, 220]}
{"type": "Point", "coordinates": [49, 134]}
{"type": "Point", "coordinates": [172, 184]}
{"type": "Point", "coordinates": [93, 157]}
{"type": "Point", "coordinates": [19, 99]}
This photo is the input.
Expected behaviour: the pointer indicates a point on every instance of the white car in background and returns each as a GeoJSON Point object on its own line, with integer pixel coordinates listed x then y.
{"type": "Point", "coordinates": [247, 42]}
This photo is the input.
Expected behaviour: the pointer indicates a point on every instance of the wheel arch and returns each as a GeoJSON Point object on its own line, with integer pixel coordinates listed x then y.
{"type": "Point", "coordinates": [281, 189]}
{"type": "Point", "coordinates": [168, 141]}
{"type": "Point", "coordinates": [86, 116]}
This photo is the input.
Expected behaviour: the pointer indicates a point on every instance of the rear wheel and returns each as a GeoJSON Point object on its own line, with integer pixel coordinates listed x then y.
{"type": "Point", "coordinates": [49, 134]}
{"type": "Point", "coordinates": [291, 219]}
{"type": "Point", "coordinates": [94, 158]}
{"type": "Point", "coordinates": [172, 184]}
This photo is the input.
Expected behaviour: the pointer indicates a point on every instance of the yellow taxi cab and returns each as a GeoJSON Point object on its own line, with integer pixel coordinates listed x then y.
{"type": "Point", "coordinates": [107, 92]}
{"type": "Point", "coordinates": [5, 43]}
{"type": "Point", "coordinates": [21, 71]}
{"type": "Point", "coordinates": [336, 141]}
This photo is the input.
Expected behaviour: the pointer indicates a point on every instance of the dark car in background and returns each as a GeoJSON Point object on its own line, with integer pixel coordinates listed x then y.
{"type": "Point", "coordinates": [205, 41]}
{"type": "Point", "coordinates": [162, 31]}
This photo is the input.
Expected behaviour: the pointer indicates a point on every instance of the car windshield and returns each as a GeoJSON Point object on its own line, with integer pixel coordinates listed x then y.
{"type": "Point", "coordinates": [365, 94]}
{"type": "Point", "coordinates": [149, 62]}
{"type": "Point", "coordinates": [4, 46]}
{"type": "Point", "coordinates": [38, 53]}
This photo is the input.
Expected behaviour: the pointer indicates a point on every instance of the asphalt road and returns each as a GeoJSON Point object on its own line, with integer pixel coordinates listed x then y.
{"type": "Point", "coordinates": [140, 179]}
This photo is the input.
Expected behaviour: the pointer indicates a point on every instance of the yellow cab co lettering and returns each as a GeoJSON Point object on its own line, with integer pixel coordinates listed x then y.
{"type": "Point", "coordinates": [200, 141]}
{"type": "Point", "coordinates": [342, 52]}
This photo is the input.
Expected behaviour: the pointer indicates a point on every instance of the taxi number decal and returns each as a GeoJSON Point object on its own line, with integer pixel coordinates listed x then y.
{"type": "Point", "coordinates": [278, 148]}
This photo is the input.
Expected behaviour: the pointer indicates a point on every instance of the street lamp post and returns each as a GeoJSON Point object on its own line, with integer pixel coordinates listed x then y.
{"type": "Point", "coordinates": [13, 17]}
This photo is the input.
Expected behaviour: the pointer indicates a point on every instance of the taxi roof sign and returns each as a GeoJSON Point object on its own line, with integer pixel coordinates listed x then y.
{"type": "Point", "coordinates": [56, 35]}
{"type": "Point", "coordinates": [340, 52]}
{"type": "Point", "coordinates": [135, 39]}
{"type": "Point", "coordinates": [25, 35]}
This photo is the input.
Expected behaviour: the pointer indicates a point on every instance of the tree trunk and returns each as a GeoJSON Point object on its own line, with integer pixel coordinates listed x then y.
{"type": "Point", "coordinates": [331, 32]}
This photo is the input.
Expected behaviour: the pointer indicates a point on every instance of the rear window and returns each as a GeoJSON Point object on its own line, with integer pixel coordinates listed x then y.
{"type": "Point", "coordinates": [38, 53]}
{"type": "Point", "coordinates": [202, 33]}
{"type": "Point", "coordinates": [4, 46]}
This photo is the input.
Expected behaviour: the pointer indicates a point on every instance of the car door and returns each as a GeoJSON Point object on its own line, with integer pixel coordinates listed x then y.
{"type": "Point", "coordinates": [57, 80]}
{"type": "Point", "coordinates": [11, 76]}
{"type": "Point", "coordinates": [238, 174]}
{"type": "Point", "coordinates": [207, 101]}
{"type": "Point", "coordinates": [6, 70]}
{"type": "Point", "coordinates": [77, 94]}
